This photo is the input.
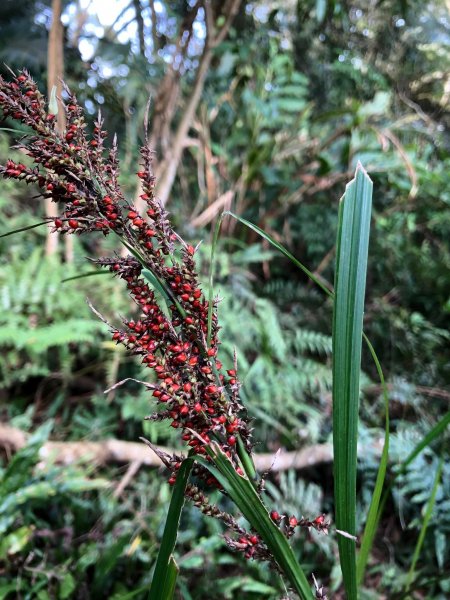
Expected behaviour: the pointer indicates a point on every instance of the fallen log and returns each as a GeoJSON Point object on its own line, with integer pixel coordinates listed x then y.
{"type": "Point", "coordinates": [116, 451]}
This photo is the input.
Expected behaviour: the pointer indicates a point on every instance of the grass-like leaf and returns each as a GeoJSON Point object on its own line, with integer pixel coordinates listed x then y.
{"type": "Point", "coordinates": [350, 283]}
{"type": "Point", "coordinates": [241, 491]}
{"type": "Point", "coordinates": [13, 231]}
{"type": "Point", "coordinates": [369, 533]}
{"type": "Point", "coordinates": [432, 435]}
{"type": "Point", "coordinates": [282, 249]}
{"type": "Point", "coordinates": [372, 516]}
{"type": "Point", "coordinates": [166, 571]}
{"type": "Point", "coordinates": [425, 523]}
{"type": "Point", "coordinates": [374, 510]}
{"type": "Point", "coordinates": [83, 275]}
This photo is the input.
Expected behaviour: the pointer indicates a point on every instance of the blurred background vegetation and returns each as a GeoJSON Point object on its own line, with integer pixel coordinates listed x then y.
{"type": "Point", "coordinates": [264, 107]}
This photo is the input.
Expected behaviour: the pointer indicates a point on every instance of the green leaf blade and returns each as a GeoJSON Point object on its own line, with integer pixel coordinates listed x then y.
{"type": "Point", "coordinates": [166, 570]}
{"type": "Point", "coordinates": [243, 494]}
{"type": "Point", "coordinates": [351, 269]}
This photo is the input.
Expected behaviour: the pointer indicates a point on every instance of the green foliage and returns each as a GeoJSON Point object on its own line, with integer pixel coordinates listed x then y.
{"type": "Point", "coordinates": [297, 94]}
{"type": "Point", "coordinates": [282, 365]}
{"type": "Point", "coordinates": [38, 315]}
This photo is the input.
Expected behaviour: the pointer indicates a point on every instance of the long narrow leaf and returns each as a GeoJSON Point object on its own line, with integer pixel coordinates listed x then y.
{"type": "Point", "coordinates": [243, 494]}
{"type": "Point", "coordinates": [282, 249]}
{"type": "Point", "coordinates": [432, 435]}
{"type": "Point", "coordinates": [350, 282]}
{"type": "Point", "coordinates": [164, 576]}
{"type": "Point", "coordinates": [372, 516]}
{"type": "Point", "coordinates": [375, 506]}
{"type": "Point", "coordinates": [23, 229]}
{"type": "Point", "coordinates": [83, 275]}
{"type": "Point", "coordinates": [425, 523]}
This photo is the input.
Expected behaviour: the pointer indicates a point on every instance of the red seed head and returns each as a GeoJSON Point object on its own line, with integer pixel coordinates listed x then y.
{"type": "Point", "coordinates": [73, 223]}
{"type": "Point", "coordinates": [274, 515]}
{"type": "Point", "coordinates": [232, 440]}
{"type": "Point", "coordinates": [293, 521]}
{"type": "Point", "coordinates": [319, 520]}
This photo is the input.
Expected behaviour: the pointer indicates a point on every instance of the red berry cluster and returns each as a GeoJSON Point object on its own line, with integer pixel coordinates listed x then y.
{"type": "Point", "coordinates": [180, 344]}
{"type": "Point", "coordinates": [290, 523]}
{"type": "Point", "coordinates": [192, 391]}
{"type": "Point", "coordinates": [69, 169]}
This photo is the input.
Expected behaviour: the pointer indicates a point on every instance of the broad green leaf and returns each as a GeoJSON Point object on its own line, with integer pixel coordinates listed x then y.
{"type": "Point", "coordinates": [375, 507]}
{"type": "Point", "coordinates": [67, 586]}
{"type": "Point", "coordinates": [211, 277]}
{"type": "Point", "coordinates": [15, 541]}
{"type": "Point", "coordinates": [350, 283]}
{"type": "Point", "coordinates": [164, 300]}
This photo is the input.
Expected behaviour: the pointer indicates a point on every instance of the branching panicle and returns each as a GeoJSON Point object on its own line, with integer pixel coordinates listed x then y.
{"type": "Point", "coordinates": [192, 390]}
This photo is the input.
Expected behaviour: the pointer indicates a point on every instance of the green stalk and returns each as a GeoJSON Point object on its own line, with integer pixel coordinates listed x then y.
{"type": "Point", "coordinates": [350, 281]}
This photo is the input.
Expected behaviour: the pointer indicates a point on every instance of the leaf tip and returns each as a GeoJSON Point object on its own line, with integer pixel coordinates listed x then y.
{"type": "Point", "coordinates": [362, 170]}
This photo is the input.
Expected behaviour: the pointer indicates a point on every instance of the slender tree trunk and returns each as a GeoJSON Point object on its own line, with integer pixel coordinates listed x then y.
{"type": "Point", "coordinates": [168, 169]}
{"type": "Point", "coordinates": [140, 26]}
{"type": "Point", "coordinates": [154, 27]}
{"type": "Point", "coordinates": [54, 69]}
{"type": "Point", "coordinates": [55, 65]}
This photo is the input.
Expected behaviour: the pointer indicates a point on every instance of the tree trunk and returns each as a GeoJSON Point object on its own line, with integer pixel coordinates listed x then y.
{"type": "Point", "coordinates": [167, 172]}
{"type": "Point", "coordinates": [55, 65]}
{"type": "Point", "coordinates": [140, 26]}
